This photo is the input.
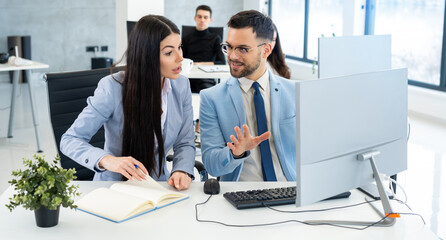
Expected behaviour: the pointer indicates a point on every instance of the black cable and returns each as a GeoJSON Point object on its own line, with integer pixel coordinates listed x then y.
{"type": "Point", "coordinates": [414, 214]}
{"type": "Point", "coordinates": [349, 227]}
{"type": "Point", "coordinates": [402, 203]}
{"type": "Point", "coordinates": [348, 206]}
{"type": "Point", "coordinates": [318, 210]}
{"type": "Point", "coordinates": [286, 221]}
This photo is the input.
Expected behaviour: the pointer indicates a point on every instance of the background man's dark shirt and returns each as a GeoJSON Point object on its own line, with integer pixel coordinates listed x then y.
{"type": "Point", "coordinates": [203, 46]}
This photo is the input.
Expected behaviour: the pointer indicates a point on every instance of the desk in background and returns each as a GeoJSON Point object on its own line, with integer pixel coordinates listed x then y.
{"type": "Point", "coordinates": [195, 72]}
{"type": "Point", "coordinates": [178, 220]}
{"type": "Point", "coordinates": [15, 83]}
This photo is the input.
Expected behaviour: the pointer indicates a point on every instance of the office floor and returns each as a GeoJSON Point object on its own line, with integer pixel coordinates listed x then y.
{"type": "Point", "coordinates": [424, 181]}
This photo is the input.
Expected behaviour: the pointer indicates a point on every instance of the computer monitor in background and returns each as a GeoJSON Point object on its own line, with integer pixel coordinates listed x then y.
{"type": "Point", "coordinates": [340, 118]}
{"type": "Point", "coordinates": [130, 25]}
{"type": "Point", "coordinates": [340, 56]}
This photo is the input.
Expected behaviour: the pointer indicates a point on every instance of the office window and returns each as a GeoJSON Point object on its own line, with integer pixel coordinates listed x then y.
{"type": "Point", "coordinates": [300, 42]}
{"type": "Point", "coordinates": [288, 15]}
{"type": "Point", "coordinates": [325, 19]}
{"type": "Point", "coordinates": [417, 35]}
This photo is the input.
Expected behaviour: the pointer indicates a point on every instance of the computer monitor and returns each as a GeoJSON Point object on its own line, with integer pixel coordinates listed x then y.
{"type": "Point", "coordinates": [346, 55]}
{"type": "Point", "coordinates": [130, 26]}
{"type": "Point", "coordinates": [340, 118]}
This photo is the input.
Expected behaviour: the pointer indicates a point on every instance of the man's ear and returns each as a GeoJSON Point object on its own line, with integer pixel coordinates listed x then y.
{"type": "Point", "coordinates": [267, 50]}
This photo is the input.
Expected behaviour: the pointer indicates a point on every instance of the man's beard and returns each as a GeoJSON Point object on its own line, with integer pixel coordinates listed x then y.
{"type": "Point", "coordinates": [247, 70]}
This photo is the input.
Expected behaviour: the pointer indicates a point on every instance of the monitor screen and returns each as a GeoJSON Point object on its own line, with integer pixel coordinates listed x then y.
{"type": "Point", "coordinates": [337, 119]}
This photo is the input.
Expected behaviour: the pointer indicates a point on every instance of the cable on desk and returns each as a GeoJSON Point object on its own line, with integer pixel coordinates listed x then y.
{"type": "Point", "coordinates": [318, 210]}
{"type": "Point", "coordinates": [353, 205]}
{"type": "Point", "coordinates": [286, 221]}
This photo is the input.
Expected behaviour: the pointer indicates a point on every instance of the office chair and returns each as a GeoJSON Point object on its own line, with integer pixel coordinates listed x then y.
{"type": "Point", "coordinates": [186, 30]}
{"type": "Point", "coordinates": [67, 95]}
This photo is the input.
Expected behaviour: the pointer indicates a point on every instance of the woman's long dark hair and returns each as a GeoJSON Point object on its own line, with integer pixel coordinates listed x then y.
{"type": "Point", "coordinates": [277, 59]}
{"type": "Point", "coordinates": [141, 92]}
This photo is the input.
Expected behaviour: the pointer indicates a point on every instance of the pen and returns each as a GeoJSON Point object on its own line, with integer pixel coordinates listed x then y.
{"type": "Point", "coordinates": [136, 166]}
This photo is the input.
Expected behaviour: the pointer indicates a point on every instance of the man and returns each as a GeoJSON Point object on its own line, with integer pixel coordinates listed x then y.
{"type": "Point", "coordinates": [254, 99]}
{"type": "Point", "coordinates": [202, 46]}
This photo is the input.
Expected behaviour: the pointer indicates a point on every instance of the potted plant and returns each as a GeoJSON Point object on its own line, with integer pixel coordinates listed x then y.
{"type": "Point", "coordinates": [43, 187]}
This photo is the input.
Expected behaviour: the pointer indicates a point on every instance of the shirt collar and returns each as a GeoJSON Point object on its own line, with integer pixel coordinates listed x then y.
{"type": "Point", "coordinates": [167, 87]}
{"type": "Point", "coordinates": [246, 84]}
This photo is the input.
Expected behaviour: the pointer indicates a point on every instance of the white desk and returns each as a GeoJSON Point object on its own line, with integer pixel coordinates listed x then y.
{"type": "Point", "coordinates": [16, 69]}
{"type": "Point", "coordinates": [195, 72]}
{"type": "Point", "coordinates": [178, 221]}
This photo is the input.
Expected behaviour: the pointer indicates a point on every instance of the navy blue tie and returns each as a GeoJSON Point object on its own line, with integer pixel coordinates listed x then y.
{"type": "Point", "coordinates": [265, 151]}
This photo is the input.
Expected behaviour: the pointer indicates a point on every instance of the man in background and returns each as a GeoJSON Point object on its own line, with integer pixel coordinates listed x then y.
{"type": "Point", "coordinates": [202, 46]}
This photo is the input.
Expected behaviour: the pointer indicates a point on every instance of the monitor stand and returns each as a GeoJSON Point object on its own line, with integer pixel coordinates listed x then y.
{"type": "Point", "coordinates": [372, 191]}
{"type": "Point", "coordinates": [389, 217]}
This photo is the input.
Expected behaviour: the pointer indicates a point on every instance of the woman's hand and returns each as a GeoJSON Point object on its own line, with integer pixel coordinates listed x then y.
{"type": "Point", "coordinates": [179, 180]}
{"type": "Point", "coordinates": [125, 166]}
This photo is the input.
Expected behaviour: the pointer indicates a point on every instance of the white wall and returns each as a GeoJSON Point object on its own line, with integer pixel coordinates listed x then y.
{"type": "Point", "coordinates": [259, 5]}
{"type": "Point", "coordinates": [132, 10]}
{"type": "Point", "coordinates": [353, 17]}
{"type": "Point", "coordinates": [59, 30]}
{"type": "Point", "coordinates": [427, 103]}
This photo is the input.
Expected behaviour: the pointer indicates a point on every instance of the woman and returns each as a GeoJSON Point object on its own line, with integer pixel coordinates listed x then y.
{"type": "Point", "coordinates": [145, 110]}
{"type": "Point", "coordinates": [276, 60]}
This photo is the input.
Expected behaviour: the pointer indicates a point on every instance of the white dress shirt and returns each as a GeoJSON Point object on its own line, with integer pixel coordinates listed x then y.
{"type": "Point", "coordinates": [252, 166]}
{"type": "Point", "coordinates": [165, 91]}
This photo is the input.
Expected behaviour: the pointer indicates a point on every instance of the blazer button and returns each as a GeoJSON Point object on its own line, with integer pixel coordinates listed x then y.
{"type": "Point", "coordinates": [86, 160]}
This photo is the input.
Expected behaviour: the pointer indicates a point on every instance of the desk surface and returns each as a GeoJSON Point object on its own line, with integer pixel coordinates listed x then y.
{"type": "Point", "coordinates": [33, 65]}
{"type": "Point", "coordinates": [178, 221]}
{"type": "Point", "coordinates": [195, 72]}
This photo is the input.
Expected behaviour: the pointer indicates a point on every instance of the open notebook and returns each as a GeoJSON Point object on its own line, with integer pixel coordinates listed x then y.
{"type": "Point", "coordinates": [214, 68]}
{"type": "Point", "coordinates": [126, 200]}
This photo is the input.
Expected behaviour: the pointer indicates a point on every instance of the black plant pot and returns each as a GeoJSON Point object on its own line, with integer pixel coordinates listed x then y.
{"type": "Point", "coordinates": [46, 217]}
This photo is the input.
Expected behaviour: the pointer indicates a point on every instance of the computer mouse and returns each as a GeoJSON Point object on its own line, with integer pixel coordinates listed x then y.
{"type": "Point", "coordinates": [211, 186]}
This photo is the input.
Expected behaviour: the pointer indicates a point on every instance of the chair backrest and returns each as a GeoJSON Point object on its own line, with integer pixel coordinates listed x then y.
{"type": "Point", "coordinates": [67, 94]}
{"type": "Point", "coordinates": [186, 30]}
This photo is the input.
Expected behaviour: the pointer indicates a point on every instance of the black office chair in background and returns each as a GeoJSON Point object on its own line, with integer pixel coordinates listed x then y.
{"type": "Point", "coordinates": [67, 94]}
{"type": "Point", "coordinates": [186, 30]}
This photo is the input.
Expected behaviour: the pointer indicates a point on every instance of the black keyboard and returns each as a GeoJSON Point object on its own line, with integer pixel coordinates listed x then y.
{"type": "Point", "coordinates": [262, 197]}
{"type": "Point", "coordinates": [267, 197]}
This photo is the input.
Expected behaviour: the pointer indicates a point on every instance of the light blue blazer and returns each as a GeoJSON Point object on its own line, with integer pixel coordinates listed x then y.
{"type": "Point", "coordinates": [222, 108]}
{"type": "Point", "coordinates": [105, 109]}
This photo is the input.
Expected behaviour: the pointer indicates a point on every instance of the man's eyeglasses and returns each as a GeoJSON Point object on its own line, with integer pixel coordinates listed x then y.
{"type": "Point", "coordinates": [239, 51]}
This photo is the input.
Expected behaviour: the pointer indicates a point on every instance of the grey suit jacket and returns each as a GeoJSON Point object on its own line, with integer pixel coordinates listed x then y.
{"type": "Point", "coordinates": [105, 109]}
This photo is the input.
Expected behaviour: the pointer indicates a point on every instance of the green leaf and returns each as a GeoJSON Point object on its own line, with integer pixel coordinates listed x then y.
{"type": "Point", "coordinates": [42, 184]}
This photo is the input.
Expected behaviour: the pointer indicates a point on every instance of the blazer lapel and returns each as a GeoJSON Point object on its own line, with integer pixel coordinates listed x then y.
{"type": "Point", "coordinates": [276, 91]}
{"type": "Point", "coordinates": [237, 100]}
